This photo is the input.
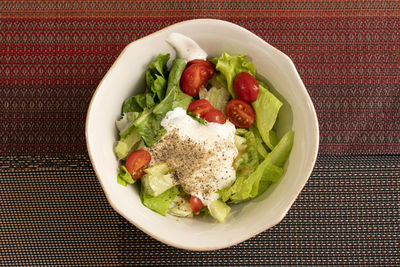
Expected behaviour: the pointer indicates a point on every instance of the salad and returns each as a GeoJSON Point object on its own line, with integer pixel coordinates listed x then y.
{"type": "Point", "coordinates": [201, 137]}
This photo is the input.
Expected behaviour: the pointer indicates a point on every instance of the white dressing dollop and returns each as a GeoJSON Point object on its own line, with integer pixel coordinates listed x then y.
{"type": "Point", "coordinates": [201, 155]}
{"type": "Point", "coordinates": [185, 47]}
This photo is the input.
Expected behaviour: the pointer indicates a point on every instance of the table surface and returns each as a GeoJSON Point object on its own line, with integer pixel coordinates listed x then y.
{"type": "Point", "coordinates": [53, 55]}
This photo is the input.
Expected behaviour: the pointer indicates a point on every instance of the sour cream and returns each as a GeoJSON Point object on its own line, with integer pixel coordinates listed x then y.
{"type": "Point", "coordinates": [201, 155]}
{"type": "Point", "coordinates": [185, 47]}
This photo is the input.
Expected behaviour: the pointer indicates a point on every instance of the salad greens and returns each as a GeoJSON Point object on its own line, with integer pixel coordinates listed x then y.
{"type": "Point", "coordinates": [270, 170]}
{"type": "Point", "coordinates": [143, 113]}
{"type": "Point", "coordinates": [156, 76]}
{"type": "Point", "coordinates": [174, 97]}
{"type": "Point", "coordinates": [160, 203]}
{"type": "Point", "coordinates": [268, 105]}
{"type": "Point", "coordinates": [219, 210]}
{"type": "Point", "coordinates": [230, 66]}
{"type": "Point", "coordinates": [217, 95]}
{"type": "Point", "coordinates": [124, 177]}
{"type": "Point", "coordinates": [261, 155]}
{"type": "Point", "coordinates": [157, 179]}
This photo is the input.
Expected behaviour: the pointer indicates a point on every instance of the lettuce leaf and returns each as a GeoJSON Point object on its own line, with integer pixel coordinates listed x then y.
{"type": "Point", "coordinates": [138, 103]}
{"type": "Point", "coordinates": [270, 170]}
{"type": "Point", "coordinates": [124, 122]}
{"type": "Point", "coordinates": [126, 144]}
{"type": "Point", "coordinates": [181, 100]}
{"type": "Point", "coordinates": [148, 125]}
{"type": "Point", "coordinates": [250, 187]}
{"type": "Point", "coordinates": [137, 118]}
{"type": "Point", "coordinates": [230, 66]}
{"type": "Point", "coordinates": [160, 203]}
{"type": "Point", "coordinates": [226, 193]}
{"type": "Point", "coordinates": [121, 181]}
{"type": "Point", "coordinates": [198, 119]}
{"type": "Point", "coordinates": [146, 115]}
{"type": "Point", "coordinates": [218, 97]}
{"type": "Point", "coordinates": [156, 76]}
{"type": "Point", "coordinates": [156, 85]}
{"type": "Point", "coordinates": [281, 152]}
{"type": "Point", "coordinates": [267, 107]}
{"type": "Point", "coordinates": [131, 105]}
{"type": "Point", "coordinates": [246, 162]}
{"type": "Point", "coordinates": [124, 176]}
{"type": "Point", "coordinates": [260, 144]}
{"type": "Point", "coordinates": [174, 96]}
{"type": "Point", "coordinates": [219, 210]}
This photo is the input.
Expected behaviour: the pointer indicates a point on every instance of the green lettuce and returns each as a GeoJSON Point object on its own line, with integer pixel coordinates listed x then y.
{"type": "Point", "coordinates": [198, 119]}
{"type": "Point", "coordinates": [245, 163]}
{"type": "Point", "coordinates": [240, 143]}
{"type": "Point", "coordinates": [137, 117]}
{"type": "Point", "coordinates": [131, 104]}
{"type": "Point", "coordinates": [156, 85]}
{"type": "Point", "coordinates": [226, 193]}
{"type": "Point", "coordinates": [180, 206]}
{"type": "Point", "coordinates": [138, 103]}
{"type": "Point", "coordinates": [253, 183]}
{"type": "Point", "coordinates": [156, 76]}
{"type": "Point", "coordinates": [230, 66]}
{"type": "Point", "coordinates": [219, 210]}
{"type": "Point", "coordinates": [218, 97]}
{"type": "Point", "coordinates": [146, 114]}
{"type": "Point", "coordinates": [121, 181]}
{"type": "Point", "coordinates": [249, 188]}
{"type": "Point", "coordinates": [174, 96]}
{"type": "Point", "coordinates": [124, 177]}
{"type": "Point", "coordinates": [149, 123]}
{"type": "Point", "coordinates": [130, 126]}
{"type": "Point", "coordinates": [267, 107]}
{"type": "Point", "coordinates": [160, 203]}
{"type": "Point", "coordinates": [259, 142]}
{"type": "Point", "coordinates": [181, 100]}
{"type": "Point", "coordinates": [280, 153]}
{"type": "Point", "coordinates": [126, 144]}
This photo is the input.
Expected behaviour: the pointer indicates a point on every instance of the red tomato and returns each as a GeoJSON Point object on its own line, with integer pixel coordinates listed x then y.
{"type": "Point", "coordinates": [206, 63]}
{"type": "Point", "coordinates": [200, 107]}
{"type": "Point", "coordinates": [137, 162]}
{"type": "Point", "coordinates": [240, 113]}
{"type": "Point", "coordinates": [214, 115]}
{"type": "Point", "coordinates": [246, 87]}
{"type": "Point", "coordinates": [193, 78]}
{"type": "Point", "coordinates": [196, 205]}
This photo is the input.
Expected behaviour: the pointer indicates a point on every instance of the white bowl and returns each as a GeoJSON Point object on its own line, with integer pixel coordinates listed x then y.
{"type": "Point", "coordinates": [126, 77]}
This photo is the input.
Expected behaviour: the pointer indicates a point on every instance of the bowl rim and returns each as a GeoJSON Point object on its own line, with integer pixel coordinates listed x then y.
{"type": "Point", "coordinates": [289, 64]}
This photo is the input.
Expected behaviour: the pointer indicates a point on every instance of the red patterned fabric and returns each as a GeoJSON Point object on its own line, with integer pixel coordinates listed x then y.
{"type": "Point", "coordinates": [54, 53]}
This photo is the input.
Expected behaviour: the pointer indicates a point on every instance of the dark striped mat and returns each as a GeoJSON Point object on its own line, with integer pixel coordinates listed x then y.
{"type": "Point", "coordinates": [54, 212]}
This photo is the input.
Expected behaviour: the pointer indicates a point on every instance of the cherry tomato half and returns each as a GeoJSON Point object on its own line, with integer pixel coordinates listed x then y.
{"type": "Point", "coordinates": [200, 107]}
{"type": "Point", "coordinates": [214, 115]}
{"type": "Point", "coordinates": [240, 113]}
{"type": "Point", "coordinates": [193, 78]}
{"type": "Point", "coordinates": [206, 63]}
{"type": "Point", "coordinates": [137, 162]}
{"type": "Point", "coordinates": [246, 87]}
{"type": "Point", "coordinates": [196, 205]}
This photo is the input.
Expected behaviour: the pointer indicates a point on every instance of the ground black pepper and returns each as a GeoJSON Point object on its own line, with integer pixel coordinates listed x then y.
{"type": "Point", "coordinates": [191, 161]}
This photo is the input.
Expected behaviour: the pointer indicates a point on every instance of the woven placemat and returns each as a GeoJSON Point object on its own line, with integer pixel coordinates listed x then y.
{"type": "Point", "coordinates": [56, 53]}
{"type": "Point", "coordinates": [54, 212]}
